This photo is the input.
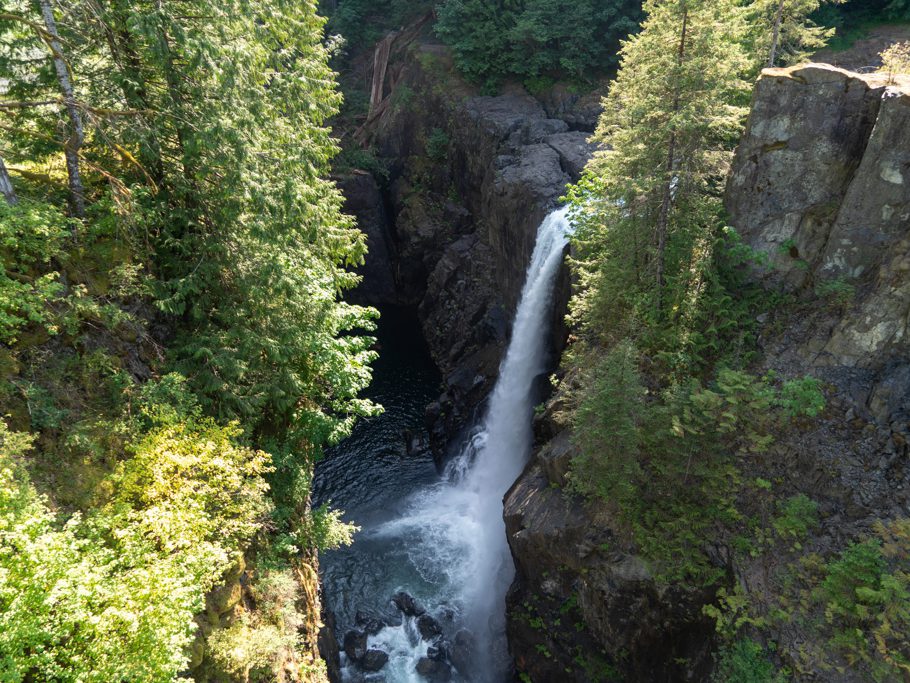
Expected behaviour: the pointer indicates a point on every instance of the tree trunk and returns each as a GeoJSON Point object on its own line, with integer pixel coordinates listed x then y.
{"type": "Point", "coordinates": [6, 185]}
{"type": "Point", "coordinates": [663, 219]}
{"type": "Point", "coordinates": [380, 65]}
{"type": "Point", "coordinates": [775, 36]}
{"type": "Point", "coordinates": [76, 134]}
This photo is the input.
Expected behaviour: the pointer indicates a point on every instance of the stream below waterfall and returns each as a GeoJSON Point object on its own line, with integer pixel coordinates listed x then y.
{"type": "Point", "coordinates": [420, 594]}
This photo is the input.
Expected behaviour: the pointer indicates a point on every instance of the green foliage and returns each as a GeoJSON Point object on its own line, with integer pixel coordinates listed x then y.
{"type": "Point", "coordinates": [31, 235]}
{"type": "Point", "coordinates": [608, 426]}
{"type": "Point", "coordinates": [354, 158]}
{"type": "Point", "coordinates": [746, 661]}
{"type": "Point", "coordinates": [329, 531]}
{"type": "Point", "coordinates": [111, 595]}
{"type": "Point", "coordinates": [896, 60]}
{"type": "Point", "coordinates": [662, 301]}
{"type": "Point", "coordinates": [698, 106]}
{"type": "Point", "coordinates": [796, 517]}
{"type": "Point", "coordinates": [533, 38]}
{"type": "Point", "coordinates": [853, 19]}
{"type": "Point", "coordinates": [257, 645]}
{"type": "Point", "coordinates": [213, 254]}
{"type": "Point", "coordinates": [839, 293]}
{"type": "Point", "coordinates": [363, 22]}
{"type": "Point", "coordinates": [866, 597]}
{"type": "Point", "coordinates": [802, 397]}
{"type": "Point", "coordinates": [437, 145]}
{"type": "Point", "coordinates": [784, 31]}
{"type": "Point", "coordinates": [669, 465]}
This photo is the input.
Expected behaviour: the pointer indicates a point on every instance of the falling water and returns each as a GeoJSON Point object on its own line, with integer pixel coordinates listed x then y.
{"type": "Point", "coordinates": [452, 532]}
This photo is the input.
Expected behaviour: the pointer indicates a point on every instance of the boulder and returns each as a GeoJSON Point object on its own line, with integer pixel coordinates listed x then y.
{"type": "Point", "coordinates": [355, 645]}
{"type": "Point", "coordinates": [821, 185]}
{"type": "Point", "coordinates": [374, 660]}
{"type": "Point", "coordinates": [437, 652]}
{"type": "Point", "coordinates": [369, 623]}
{"type": "Point", "coordinates": [408, 604]}
{"type": "Point", "coordinates": [428, 627]}
{"type": "Point", "coordinates": [435, 671]}
{"type": "Point", "coordinates": [462, 651]}
{"type": "Point", "coordinates": [574, 151]}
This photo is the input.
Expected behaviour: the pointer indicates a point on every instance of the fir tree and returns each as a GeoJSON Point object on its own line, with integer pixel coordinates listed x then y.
{"type": "Point", "coordinates": [650, 198]}
{"type": "Point", "coordinates": [784, 33]}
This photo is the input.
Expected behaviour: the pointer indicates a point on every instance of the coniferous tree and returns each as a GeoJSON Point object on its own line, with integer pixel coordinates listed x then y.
{"type": "Point", "coordinates": [202, 156]}
{"type": "Point", "coordinates": [651, 196]}
{"type": "Point", "coordinates": [784, 34]}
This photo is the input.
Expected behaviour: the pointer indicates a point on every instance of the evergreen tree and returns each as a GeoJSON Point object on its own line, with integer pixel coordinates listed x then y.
{"type": "Point", "coordinates": [792, 36]}
{"type": "Point", "coordinates": [649, 203]}
{"type": "Point", "coordinates": [530, 39]}
{"type": "Point", "coordinates": [192, 148]}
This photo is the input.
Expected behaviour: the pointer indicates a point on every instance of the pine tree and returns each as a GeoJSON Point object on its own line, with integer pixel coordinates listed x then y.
{"type": "Point", "coordinates": [650, 199]}
{"type": "Point", "coordinates": [784, 33]}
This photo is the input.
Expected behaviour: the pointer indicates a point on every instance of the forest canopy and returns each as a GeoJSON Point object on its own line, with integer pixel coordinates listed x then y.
{"type": "Point", "coordinates": [176, 351]}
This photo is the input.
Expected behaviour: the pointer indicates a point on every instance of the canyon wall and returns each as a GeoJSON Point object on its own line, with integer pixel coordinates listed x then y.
{"type": "Point", "coordinates": [820, 187]}
{"type": "Point", "coordinates": [452, 226]}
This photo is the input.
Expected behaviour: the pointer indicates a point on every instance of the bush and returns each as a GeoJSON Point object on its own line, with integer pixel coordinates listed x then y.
{"type": "Point", "coordinates": [437, 145]}
{"type": "Point", "coordinates": [896, 60]}
{"type": "Point", "coordinates": [31, 235]}
{"type": "Point", "coordinates": [866, 598]}
{"type": "Point", "coordinates": [110, 596]}
{"type": "Point", "coordinates": [745, 661]}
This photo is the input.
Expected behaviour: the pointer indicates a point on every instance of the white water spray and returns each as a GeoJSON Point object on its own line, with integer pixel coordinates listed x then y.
{"type": "Point", "coordinates": [454, 532]}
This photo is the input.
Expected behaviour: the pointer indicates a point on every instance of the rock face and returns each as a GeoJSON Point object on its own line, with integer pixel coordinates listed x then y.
{"type": "Point", "coordinates": [821, 183]}
{"type": "Point", "coordinates": [364, 201]}
{"type": "Point", "coordinates": [582, 607]}
{"type": "Point", "coordinates": [470, 179]}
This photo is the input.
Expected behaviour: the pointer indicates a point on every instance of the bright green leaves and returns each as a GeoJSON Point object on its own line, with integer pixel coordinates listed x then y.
{"type": "Point", "coordinates": [110, 596]}
{"type": "Point", "coordinates": [31, 235]}
{"type": "Point", "coordinates": [205, 162]}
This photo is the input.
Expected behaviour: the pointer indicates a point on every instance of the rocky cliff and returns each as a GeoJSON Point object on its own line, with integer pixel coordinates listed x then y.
{"type": "Point", "coordinates": [821, 183]}
{"type": "Point", "coordinates": [452, 227]}
{"type": "Point", "coordinates": [820, 186]}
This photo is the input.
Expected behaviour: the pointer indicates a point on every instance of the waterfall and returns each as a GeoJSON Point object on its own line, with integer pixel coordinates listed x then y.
{"type": "Point", "coordinates": [454, 532]}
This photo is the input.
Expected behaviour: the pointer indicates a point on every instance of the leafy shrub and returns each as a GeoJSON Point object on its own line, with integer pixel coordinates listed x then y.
{"type": "Point", "coordinates": [746, 661]}
{"type": "Point", "coordinates": [896, 60]}
{"type": "Point", "coordinates": [264, 641]}
{"type": "Point", "coordinates": [802, 397]}
{"type": "Point", "coordinates": [839, 292]}
{"type": "Point", "coordinates": [866, 598]}
{"type": "Point", "coordinates": [31, 235]}
{"type": "Point", "coordinates": [796, 516]}
{"type": "Point", "coordinates": [437, 145]}
{"type": "Point", "coordinates": [110, 596]}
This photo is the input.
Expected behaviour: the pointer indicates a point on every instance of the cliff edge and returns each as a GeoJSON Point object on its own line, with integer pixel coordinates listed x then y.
{"type": "Point", "coordinates": [819, 190]}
